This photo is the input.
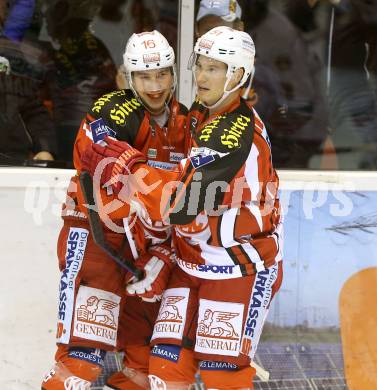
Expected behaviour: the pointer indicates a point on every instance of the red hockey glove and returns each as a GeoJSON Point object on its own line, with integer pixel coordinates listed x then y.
{"type": "Point", "coordinates": [157, 265]}
{"type": "Point", "coordinates": [115, 159]}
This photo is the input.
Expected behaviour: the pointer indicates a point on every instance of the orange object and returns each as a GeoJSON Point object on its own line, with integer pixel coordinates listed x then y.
{"type": "Point", "coordinates": [181, 371]}
{"type": "Point", "coordinates": [358, 325]}
{"type": "Point", "coordinates": [228, 380]}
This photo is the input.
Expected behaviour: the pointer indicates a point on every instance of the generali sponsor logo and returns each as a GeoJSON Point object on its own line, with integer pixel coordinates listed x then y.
{"type": "Point", "coordinates": [219, 327]}
{"type": "Point", "coordinates": [97, 313]}
{"type": "Point", "coordinates": [172, 314]}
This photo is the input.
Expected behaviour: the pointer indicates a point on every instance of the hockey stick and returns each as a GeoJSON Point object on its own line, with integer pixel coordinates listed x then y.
{"type": "Point", "coordinates": [97, 229]}
{"type": "Point", "coordinates": [261, 373]}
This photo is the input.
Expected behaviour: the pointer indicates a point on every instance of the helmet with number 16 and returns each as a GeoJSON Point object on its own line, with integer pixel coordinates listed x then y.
{"type": "Point", "coordinates": [149, 63]}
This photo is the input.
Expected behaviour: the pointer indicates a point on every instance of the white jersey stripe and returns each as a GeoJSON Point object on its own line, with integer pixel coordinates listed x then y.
{"type": "Point", "coordinates": [254, 209]}
{"type": "Point", "coordinates": [88, 132]}
{"type": "Point", "coordinates": [251, 173]}
{"type": "Point", "coordinates": [228, 221]}
{"type": "Point", "coordinates": [253, 256]}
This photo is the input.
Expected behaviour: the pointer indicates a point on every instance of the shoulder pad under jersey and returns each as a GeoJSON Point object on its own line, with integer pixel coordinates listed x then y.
{"type": "Point", "coordinates": [121, 112]}
{"type": "Point", "coordinates": [228, 132]}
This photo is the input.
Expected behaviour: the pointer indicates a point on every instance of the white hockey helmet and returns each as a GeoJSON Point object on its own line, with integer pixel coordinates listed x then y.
{"type": "Point", "coordinates": [148, 51]}
{"type": "Point", "coordinates": [233, 47]}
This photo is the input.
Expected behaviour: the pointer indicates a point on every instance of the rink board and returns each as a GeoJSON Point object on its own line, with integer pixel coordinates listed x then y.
{"type": "Point", "coordinates": [330, 241]}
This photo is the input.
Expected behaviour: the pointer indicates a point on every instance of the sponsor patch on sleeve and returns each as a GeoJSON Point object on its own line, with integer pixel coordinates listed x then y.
{"type": "Point", "coordinates": [100, 130]}
{"type": "Point", "coordinates": [201, 160]}
{"type": "Point", "coordinates": [203, 155]}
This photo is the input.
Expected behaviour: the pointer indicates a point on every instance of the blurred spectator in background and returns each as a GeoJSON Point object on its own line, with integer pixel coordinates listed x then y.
{"type": "Point", "coordinates": [352, 94]}
{"type": "Point", "coordinates": [298, 135]}
{"type": "Point", "coordinates": [349, 31]}
{"type": "Point", "coordinates": [211, 14]}
{"type": "Point", "coordinates": [81, 69]}
{"type": "Point", "coordinates": [119, 19]}
{"type": "Point", "coordinates": [26, 129]}
{"type": "Point", "coordinates": [166, 20]}
{"type": "Point", "coordinates": [18, 19]}
{"type": "Point", "coordinates": [263, 89]}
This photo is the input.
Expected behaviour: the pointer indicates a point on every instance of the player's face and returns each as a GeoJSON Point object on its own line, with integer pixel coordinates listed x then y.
{"type": "Point", "coordinates": [154, 88]}
{"type": "Point", "coordinates": [210, 77]}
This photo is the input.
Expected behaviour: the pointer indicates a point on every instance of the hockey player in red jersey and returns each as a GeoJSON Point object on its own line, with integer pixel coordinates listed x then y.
{"type": "Point", "coordinates": [93, 316]}
{"type": "Point", "coordinates": [228, 235]}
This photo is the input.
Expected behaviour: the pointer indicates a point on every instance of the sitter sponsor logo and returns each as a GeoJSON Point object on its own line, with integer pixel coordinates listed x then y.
{"type": "Point", "coordinates": [96, 315]}
{"type": "Point", "coordinates": [120, 112]}
{"type": "Point", "coordinates": [230, 137]}
{"type": "Point", "coordinates": [219, 327]}
{"type": "Point", "coordinates": [103, 100]}
{"type": "Point", "coordinates": [206, 131]}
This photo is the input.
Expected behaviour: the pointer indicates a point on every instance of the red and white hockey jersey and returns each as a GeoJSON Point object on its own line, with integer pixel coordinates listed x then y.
{"type": "Point", "coordinates": [120, 115]}
{"type": "Point", "coordinates": [224, 201]}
